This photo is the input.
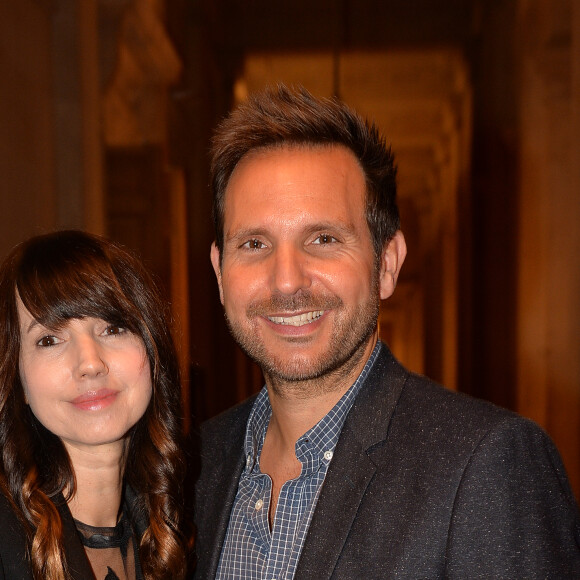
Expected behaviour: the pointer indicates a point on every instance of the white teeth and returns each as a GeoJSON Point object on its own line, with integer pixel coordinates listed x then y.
{"type": "Point", "coordinates": [298, 320]}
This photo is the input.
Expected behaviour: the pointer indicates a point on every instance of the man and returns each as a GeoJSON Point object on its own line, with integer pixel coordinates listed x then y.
{"type": "Point", "coordinates": [346, 465]}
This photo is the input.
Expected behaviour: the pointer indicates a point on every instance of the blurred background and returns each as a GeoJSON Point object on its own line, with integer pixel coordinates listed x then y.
{"type": "Point", "coordinates": [106, 111]}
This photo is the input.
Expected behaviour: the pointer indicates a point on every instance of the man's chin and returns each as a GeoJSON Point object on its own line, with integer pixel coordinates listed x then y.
{"type": "Point", "coordinates": [295, 368]}
{"type": "Point", "coordinates": [302, 368]}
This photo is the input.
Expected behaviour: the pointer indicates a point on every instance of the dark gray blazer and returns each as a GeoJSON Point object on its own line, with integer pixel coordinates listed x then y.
{"type": "Point", "coordinates": [14, 563]}
{"type": "Point", "coordinates": [424, 483]}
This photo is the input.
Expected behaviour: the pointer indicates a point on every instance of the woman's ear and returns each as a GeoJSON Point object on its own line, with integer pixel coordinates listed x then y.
{"type": "Point", "coordinates": [392, 260]}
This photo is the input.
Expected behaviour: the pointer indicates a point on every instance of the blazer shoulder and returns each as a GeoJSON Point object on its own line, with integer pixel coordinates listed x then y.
{"type": "Point", "coordinates": [227, 425]}
{"type": "Point", "coordinates": [394, 399]}
{"type": "Point", "coordinates": [420, 414]}
{"type": "Point", "coordinates": [434, 402]}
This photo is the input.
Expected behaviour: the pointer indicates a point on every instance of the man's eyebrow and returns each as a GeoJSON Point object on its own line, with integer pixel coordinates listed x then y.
{"type": "Point", "coordinates": [341, 227]}
{"type": "Point", "coordinates": [245, 233]}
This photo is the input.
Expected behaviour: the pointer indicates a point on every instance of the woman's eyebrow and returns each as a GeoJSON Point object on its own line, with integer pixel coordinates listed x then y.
{"type": "Point", "coordinates": [32, 324]}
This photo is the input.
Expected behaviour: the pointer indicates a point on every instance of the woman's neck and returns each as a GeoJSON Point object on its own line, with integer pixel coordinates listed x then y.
{"type": "Point", "coordinates": [99, 483]}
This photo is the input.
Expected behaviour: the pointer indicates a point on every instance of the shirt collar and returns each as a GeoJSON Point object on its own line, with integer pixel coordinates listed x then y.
{"type": "Point", "coordinates": [321, 438]}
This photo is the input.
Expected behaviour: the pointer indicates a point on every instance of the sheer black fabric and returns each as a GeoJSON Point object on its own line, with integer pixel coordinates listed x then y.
{"type": "Point", "coordinates": [112, 552]}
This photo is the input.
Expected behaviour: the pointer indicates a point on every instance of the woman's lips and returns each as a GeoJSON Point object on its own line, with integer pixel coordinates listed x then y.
{"type": "Point", "coordinates": [95, 400]}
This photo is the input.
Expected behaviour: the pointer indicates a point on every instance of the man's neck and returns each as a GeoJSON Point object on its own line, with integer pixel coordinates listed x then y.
{"type": "Point", "coordinates": [294, 412]}
{"type": "Point", "coordinates": [298, 406]}
{"type": "Point", "coordinates": [294, 416]}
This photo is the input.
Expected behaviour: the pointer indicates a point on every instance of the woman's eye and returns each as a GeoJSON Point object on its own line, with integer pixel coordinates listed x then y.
{"type": "Point", "coordinates": [113, 330]}
{"type": "Point", "coordinates": [324, 239]}
{"type": "Point", "coordinates": [48, 340]}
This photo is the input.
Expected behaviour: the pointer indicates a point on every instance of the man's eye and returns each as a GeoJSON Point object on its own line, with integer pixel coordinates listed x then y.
{"type": "Point", "coordinates": [48, 340]}
{"type": "Point", "coordinates": [253, 245]}
{"type": "Point", "coordinates": [324, 239]}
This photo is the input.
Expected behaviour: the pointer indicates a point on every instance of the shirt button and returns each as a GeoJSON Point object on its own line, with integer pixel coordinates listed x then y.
{"type": "Point", "coordinates": [248, 460]}
{"type": "Point", "coordinates": [328, 455]}
{"type": "Point", "coordinates": [259, 505]}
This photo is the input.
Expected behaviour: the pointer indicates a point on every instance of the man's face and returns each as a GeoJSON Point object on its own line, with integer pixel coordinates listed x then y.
{"type": "Point", "coordinates": [298, 277]}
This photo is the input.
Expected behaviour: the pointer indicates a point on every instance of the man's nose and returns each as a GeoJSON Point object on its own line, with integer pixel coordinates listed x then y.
{"type": "Point", "coordinates": [290, 270]}
{"type": "Point", "coordinates": [89, 358]}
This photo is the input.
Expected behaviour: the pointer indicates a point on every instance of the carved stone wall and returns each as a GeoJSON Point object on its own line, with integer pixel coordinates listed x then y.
{"type": "Point", "coordinates": [142, 65]}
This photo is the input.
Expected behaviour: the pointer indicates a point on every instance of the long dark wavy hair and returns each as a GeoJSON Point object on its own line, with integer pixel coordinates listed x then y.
{"type": "Point", "coordinates": [72, 274]}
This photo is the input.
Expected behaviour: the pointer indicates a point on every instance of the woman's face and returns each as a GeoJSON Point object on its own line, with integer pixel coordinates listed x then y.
{"type": "Point", "coordinates": [88, 383]}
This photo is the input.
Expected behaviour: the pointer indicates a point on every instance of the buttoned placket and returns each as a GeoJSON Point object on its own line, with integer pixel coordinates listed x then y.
{"type": "Point", "coordinates": [292, 492]}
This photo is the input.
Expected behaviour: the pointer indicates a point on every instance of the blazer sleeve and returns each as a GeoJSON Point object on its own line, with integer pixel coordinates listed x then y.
{"type": "Point", "coordinates": [514, 514]}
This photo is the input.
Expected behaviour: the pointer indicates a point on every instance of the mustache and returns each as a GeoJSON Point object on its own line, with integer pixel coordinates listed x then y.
{"type": "Point", "coordinates": [301, 301]}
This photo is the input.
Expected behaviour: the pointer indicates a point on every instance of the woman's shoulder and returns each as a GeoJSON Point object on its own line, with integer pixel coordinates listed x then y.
{"type": "Point", "coordinates": [11, 527]}
{"type": "Point", "coordinates": [13, 544]}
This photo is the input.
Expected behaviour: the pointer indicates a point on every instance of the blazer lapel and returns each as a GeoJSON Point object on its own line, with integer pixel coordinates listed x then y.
{"type": "Point", "coordinates": [336, 509]}
{"type": "Point", "coordinates": [226, 484]}
{"type": "Point", "coordinates": [352, 468]}
{"type": "Point", "coordinates": [222, 480]}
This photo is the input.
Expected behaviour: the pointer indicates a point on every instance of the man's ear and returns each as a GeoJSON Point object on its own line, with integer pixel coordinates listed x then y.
{"type": "Point", "coordinates": [214, 255]}
{"type": "Point", "coordinates": [392, 260]}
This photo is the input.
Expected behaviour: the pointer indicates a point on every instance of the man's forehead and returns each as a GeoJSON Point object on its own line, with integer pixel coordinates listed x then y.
{"type": "Point", "coordinates": [297, 165]}
{"type": "Point", "coordinates": [296, 193]}
{"type": "Point", "coordinates": [310, 151]}
{"type": "Point", "coordinates": [293, 146]}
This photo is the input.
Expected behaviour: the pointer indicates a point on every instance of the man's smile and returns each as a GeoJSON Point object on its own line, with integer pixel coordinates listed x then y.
{"type": "Point", "coordinates": [298, 319]}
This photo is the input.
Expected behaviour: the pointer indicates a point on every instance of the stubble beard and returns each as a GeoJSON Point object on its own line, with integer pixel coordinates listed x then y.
{"type": "Point", "coordinates": [304, 375]}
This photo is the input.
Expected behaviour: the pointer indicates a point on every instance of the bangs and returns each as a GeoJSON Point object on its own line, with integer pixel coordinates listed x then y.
{"type": "Point", "coordinates": [63, 278]}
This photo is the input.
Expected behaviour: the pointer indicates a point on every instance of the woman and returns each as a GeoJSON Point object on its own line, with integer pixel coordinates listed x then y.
{"type": "Point", "coordinates": [91, 464]}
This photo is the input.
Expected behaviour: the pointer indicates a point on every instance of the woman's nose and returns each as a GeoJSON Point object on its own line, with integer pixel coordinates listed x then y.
{"type": "Point", "coordinates": [89, 358]}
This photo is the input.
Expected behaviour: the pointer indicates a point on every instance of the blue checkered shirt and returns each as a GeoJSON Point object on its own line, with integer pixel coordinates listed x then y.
{"type": "Point", "coordinates": [251, 550]}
